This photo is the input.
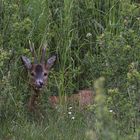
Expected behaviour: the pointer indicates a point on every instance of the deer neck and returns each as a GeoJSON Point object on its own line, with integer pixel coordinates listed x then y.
{"type": "Point", "coordinates": [36, 92]}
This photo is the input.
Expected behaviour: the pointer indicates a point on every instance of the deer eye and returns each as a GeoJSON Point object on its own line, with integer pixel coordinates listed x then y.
{"type": "Point", "coordinates": [32, 74]}
{"type": "Point", "coordinates": [45, 74]}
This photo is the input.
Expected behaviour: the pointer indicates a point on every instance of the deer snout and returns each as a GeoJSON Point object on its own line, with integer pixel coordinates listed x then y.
{"type": "Point", "coordinates": [39, 83]}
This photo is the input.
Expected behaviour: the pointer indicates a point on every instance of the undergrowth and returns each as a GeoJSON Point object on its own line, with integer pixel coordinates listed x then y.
{"type": "Point", "coordinates": [97, 44]}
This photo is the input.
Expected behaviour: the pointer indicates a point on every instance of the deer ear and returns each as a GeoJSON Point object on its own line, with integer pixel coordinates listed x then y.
{"type": "Point", "coordinates": [51, 61]}
{"type": "Point", "coordinates": [26, 62]}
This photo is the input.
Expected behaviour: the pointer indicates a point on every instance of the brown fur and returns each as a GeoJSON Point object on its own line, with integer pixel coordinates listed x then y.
{"type": "Point", "coordinates": [82, 98]}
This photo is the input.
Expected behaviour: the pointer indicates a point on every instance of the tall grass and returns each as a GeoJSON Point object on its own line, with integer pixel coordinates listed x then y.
{"type": "Point", "coordinates": [91, 39]}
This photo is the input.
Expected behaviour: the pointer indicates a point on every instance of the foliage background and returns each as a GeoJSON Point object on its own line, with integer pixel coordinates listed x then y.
{"type": "Point", "coordinates": [97, 44]}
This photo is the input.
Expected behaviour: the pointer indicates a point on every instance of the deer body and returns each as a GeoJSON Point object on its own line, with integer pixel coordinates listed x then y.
{"type": "Point", "coordinates": [82, 98]}
{"type": "Point", "coordinates": [38, 73]}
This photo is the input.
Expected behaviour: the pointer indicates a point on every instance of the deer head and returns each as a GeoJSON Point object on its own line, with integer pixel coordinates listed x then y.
{"type": "Point", "coordinates": [38, 71]}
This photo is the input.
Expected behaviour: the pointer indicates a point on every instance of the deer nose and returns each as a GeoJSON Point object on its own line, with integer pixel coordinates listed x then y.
{"type": "Point", "coordinates": [39, 83]}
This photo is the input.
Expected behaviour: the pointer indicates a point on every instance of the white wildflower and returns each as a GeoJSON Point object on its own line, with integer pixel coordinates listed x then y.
{"type": "Point", "coordinates": [69, 113]}
{"type": "Point", "coordinates": [70, 108]}
{"type": "Point", "coordinates": [73, 118]}
{"type": "Point", "coordinates": [110, 110]}
{"type": "Point", "coordinates": [88, 35]}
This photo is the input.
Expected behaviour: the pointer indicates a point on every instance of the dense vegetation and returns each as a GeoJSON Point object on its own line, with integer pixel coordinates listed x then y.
{"type": "Point", "coordinates": [97, 43]}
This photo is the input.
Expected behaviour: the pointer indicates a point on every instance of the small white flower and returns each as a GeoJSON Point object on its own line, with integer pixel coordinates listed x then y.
{"type": "Point", "coordinates": [88, 35]}
{"type": "Point", "coordinates": [69, 113]}
{"type": "Point", "coordinates": [70, 108]}
{"type": "Point", "coordinates": [111, 110]}
{"type": "Point", "coordinates": [73, 118]}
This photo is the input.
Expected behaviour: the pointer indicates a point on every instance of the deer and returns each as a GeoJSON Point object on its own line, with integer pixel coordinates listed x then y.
{"type": "Point", "coordinates": [38, 72]}
{"type": "Point", "coordinates": [38, 76]}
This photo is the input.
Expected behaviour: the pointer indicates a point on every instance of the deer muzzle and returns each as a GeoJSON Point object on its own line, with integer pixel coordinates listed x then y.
{"type": "Point", "coordinates": [39, 83]}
